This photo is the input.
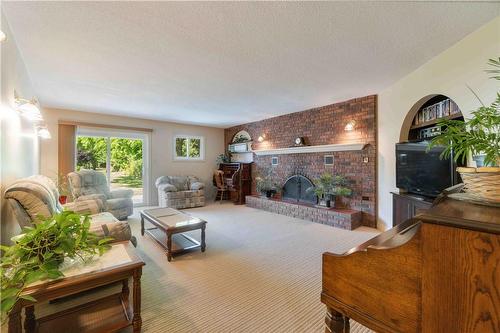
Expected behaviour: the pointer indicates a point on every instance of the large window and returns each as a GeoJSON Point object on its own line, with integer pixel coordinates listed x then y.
{"type": "Point", "coordinates": [189, 148]}
{"type": "Point", "coordinates": [121, 156]}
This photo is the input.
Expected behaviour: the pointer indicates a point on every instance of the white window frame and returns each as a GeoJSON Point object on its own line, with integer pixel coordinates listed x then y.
{"type": "Point", "coordinates": [146, 154]}
{"type": "Point", "coordinates": [187, 158]}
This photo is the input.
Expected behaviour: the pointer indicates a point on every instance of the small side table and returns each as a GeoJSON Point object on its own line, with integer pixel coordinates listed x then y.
{"type": "Point", "coordinates": [119, 263]}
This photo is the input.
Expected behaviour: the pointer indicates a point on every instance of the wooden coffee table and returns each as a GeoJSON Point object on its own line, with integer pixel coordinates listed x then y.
{"type": "Point", "coordinates": [109, 314]}
{"type": "Point", "coordinates": [169, 226]}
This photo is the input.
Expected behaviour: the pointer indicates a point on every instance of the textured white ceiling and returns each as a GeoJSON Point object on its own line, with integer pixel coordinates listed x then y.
{"type": "Point", "coordinates": [222, 64]}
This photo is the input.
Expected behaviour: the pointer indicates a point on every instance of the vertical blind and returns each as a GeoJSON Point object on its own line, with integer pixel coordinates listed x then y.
{"type": "Point", "coordinates": [66, 148]}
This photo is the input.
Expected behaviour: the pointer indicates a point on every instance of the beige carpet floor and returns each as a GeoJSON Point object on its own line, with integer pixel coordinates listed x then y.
{"type": "Point", "coordinates": [261, 272]}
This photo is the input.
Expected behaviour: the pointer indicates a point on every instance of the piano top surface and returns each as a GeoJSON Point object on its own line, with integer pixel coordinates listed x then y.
{"type": "Point", "coordinates": [462, 214]}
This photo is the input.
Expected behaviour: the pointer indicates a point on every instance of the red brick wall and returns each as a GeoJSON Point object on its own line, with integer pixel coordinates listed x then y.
{"type": "Point", "coordinates": [324, 125]}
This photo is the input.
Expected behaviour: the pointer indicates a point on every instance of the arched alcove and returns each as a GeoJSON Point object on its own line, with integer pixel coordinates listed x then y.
{"type": "Point", "coordinates": [409, 129]}
{"type": "Point", "coordinates": [241, 136]}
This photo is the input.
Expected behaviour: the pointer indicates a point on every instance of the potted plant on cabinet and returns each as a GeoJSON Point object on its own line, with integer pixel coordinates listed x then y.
{"type": "Point", "coordinates": [477, 136]}
{"type": "Point", "coordinates": [327, 187]}
{"type": "Point", "coordinates": [39, 251]}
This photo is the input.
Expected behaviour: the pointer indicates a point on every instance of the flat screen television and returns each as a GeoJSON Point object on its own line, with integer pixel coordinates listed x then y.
{"type": "Point", "coordinates": [422, 172]}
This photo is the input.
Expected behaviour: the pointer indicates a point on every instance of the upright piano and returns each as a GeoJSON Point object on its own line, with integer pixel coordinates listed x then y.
{"type": "Point", "coordinates": [437, 272]}
{"type": "Point", "coordinates": [238, 179]}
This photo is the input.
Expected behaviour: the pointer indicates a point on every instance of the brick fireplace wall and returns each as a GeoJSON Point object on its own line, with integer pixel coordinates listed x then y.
{"type": "Point", "coordinates": [324, 125]}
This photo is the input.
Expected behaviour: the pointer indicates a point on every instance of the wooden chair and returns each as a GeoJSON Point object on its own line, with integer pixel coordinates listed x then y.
{"type": "Point", "coordinates": [222, 189]}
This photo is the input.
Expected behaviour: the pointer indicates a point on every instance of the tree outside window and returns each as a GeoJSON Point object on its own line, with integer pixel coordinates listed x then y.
{"type": "Point", "coordinates": [188, 148]}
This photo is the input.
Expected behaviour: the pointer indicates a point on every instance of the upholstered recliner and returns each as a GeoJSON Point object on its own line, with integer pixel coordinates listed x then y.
{"type": "Point", "coordinates": [180, 192]}
{"type": "Point", "coordinates": [91, 184]}
{"type": "Point", "coordinates": [37, 196]}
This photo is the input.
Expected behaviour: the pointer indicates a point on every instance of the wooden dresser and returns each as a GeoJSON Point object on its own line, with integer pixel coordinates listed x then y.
{"type": "Point", "coordinates": [238, 178]}
{"type": "Point", "coordinates": [437, 272]}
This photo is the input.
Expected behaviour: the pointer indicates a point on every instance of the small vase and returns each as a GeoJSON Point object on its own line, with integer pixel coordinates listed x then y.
{"type": "Point", "coordinates": [63, 199]}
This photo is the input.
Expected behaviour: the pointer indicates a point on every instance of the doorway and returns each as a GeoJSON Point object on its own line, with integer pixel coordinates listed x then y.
{"type": "Point", "coordinates": [121, 156]}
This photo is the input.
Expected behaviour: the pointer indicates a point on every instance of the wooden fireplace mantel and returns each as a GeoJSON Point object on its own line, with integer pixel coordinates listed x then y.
{"type": "Point", "coordinates": [311, 149]}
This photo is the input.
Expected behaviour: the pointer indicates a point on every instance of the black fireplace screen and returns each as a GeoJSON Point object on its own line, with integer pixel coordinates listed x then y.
{"type": "Point", "coordinates": [297, 187]}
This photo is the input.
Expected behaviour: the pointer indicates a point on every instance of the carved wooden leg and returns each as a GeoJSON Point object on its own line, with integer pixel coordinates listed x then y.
{"type": "Point", "coordinates": [15, 325]}
{"type": "Point", "coordinates": [169, 246]}
{"type": "Point", "coordinates": [203, 244]}
{"type": "Point", "coordinates": [125, 292]}
{"type": "Point", "coordinates": [142, 225]}
{"type": "Point", "coordinates": [335, 322]}
{"type": "Point", "coordinates": [137, 319]}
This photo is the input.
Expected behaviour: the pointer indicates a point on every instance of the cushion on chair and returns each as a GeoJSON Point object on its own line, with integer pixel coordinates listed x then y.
{"type": "Point", "coordinates": [181, 183]}
{"type": "Point", "coordinates": [106, 225]}
{"type": "Point", "coordinates": [100, 197]}
{"type": "Point", "coordinates": [86, 182]}
{"type": "Point", "coordinates": [36, 196]}
{"type": "Point", "coordinates": [197, 186]}
{"type": "Point", "coordinates": [121, 193]}
{"type": "Point", "coordinates": [167, 188]}
{"type": "Point", "coordinates": [85, 206]}
{"type": "Point", "coordinates": [113, 204]}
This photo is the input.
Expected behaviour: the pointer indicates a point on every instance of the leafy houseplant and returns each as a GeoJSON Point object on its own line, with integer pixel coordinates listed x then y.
{"type": "Point", "coordinates": [327, 187]}
{"type": "Point", "coordinates": [63, 187]}
{"type": "Point", "coordinates": [39, 251]}
{"type": "Point", "coordinates": [266, 184]}
{"type": "Point", "coordinates": [240, 138]}
{"type": "Point", "coordinates": [478, 135]}
{"type": "Point", "coordinates": [224, 158]}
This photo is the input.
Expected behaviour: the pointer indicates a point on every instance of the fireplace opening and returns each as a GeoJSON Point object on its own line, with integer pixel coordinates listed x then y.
{"type": "Point", "coordinates": [296, 189]}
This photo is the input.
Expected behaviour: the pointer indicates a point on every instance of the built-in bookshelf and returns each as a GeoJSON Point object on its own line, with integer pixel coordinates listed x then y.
{"type": "Point", "coordinates": [424, 125]}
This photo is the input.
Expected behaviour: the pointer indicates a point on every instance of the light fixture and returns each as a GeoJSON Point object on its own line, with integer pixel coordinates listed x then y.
{"type": "Point", "coordinates": [43, 132]}
{"type": "Point", "coordinates": [350, 125]}
{"type": "Point", "coordinates": [27, 108]}
{"type": "Point", "coordinates": [2, 36]}
{"type": "Point", "coordinates": [261, 138]}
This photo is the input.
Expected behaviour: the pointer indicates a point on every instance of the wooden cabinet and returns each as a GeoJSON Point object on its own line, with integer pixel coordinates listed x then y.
{"type": "Point", "coordinates": [406, 206]}
{"type": "Point", "coordinates": [437, 272]}
{"type": "Point", "coordinates": [238, 178]}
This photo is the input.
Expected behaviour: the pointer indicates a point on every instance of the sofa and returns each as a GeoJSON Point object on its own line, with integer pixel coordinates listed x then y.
{"type": "Point", "coordinates": [180, 192]}
{"type": "Point", "coordinates": [36, 196]}
{"type": "Point", "coordinates": [91, 184]}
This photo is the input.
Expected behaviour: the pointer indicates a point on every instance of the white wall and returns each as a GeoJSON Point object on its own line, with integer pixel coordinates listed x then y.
{"type": "Point", "coordinates": [162, 162]}
{"type": "Point", "coordinates": [449, 73]}
{"type": "Point", "coordinates": [19, 144]}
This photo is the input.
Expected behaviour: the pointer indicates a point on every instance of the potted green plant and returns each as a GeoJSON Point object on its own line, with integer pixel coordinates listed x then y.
{"type": "Point", "coordinates": [224, 158]}
{"type": "Point", "coordinates": [39, 251]}
{"type": "Point", "coordinates": [63, 188]}
{"type": "Point", "coordinates": [477, 136]}
{"type": "Point", "coordinates": [327, 187]}
{"type": "Point", "coordinates": [265, 184]}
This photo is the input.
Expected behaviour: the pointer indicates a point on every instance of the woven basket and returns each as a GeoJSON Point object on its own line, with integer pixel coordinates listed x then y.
{"type": "Point", "coordinates": [482, 183]}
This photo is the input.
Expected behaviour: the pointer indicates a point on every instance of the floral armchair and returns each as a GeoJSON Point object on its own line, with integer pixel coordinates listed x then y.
{"type": "Point", "coordinates": [36, 196]}
{"type": "Point", "coordinates": [180, 192]}
{"type": "Point", "coordinates": [91, 184]}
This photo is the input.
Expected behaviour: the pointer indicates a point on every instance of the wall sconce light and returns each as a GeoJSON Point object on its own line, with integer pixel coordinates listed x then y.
{"type": "Point", "coordinates": [350, 125]}
{"type": "Point", "coordinates": [27, 108]}
{"type": "Point", "coordinates": [43, 132]}
{"type": "Point", "coordinates": [261, 138]}
{"type": "Point", "coordinates": [2, 36]}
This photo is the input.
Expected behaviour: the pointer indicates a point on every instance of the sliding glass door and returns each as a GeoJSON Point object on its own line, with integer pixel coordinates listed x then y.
{"type": "Point", "coordinates": [121, 156]}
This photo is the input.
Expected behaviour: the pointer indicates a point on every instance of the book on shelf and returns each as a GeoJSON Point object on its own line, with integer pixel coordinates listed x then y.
{"type": "Point", "coordinates": [435, 111]}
